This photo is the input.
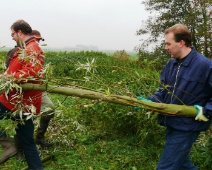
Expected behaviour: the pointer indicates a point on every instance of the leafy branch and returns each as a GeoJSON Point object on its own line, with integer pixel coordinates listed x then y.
{"type": "Point", "coordinates": [162, 108]}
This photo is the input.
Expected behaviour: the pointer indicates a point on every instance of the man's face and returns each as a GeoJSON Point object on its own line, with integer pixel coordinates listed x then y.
{"type": "Point", "coordinates": [173, 47]}
{"type": "Point", "coordinates": [15, 37]}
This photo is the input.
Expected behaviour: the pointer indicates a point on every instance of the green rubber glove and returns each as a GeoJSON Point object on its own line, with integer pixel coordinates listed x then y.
{"type": "Point", "coordinates": [144, 99]}
{"type": "Point", "coordinates": [200, 115]}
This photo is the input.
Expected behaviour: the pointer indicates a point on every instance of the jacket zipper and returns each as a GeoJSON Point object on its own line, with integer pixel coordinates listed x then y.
{"type": "Point", "coordinates": [178, 70]}
{"type": "Point", "coordinates": [175, 83]}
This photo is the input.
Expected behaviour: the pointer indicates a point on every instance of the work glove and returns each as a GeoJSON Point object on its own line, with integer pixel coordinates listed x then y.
{"type": "Point", "coordinates": [144, 99]}
{"type": "Point", "coordinates": [200, 116]}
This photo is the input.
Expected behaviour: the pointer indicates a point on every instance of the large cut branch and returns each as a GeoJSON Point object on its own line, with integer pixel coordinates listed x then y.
{"type": "Point", "coordinates": [161, 108]}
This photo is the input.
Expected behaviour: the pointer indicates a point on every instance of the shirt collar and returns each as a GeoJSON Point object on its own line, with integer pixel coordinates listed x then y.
{"type": "Point", "coordinates": [187, 59]}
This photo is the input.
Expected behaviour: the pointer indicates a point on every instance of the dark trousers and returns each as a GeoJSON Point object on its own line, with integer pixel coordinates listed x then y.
{"type": "Point", "coordinates": [178, 145]}
{"type": "Point", "coordinates": [25, 133]}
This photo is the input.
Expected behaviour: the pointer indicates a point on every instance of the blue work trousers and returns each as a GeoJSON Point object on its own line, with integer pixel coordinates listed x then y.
{"type": "Point", "coordinates": [25, 134]}
{"type": "Point", "coordinates": [178, 145]}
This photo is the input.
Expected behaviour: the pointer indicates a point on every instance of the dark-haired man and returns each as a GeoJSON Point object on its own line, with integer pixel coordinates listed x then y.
{"type": "Point", "coordinates": [27, 62]}
{"type": "Point", "coordinates": [47, 107]}
{"type": "Point", "coordinates": [185, 80]}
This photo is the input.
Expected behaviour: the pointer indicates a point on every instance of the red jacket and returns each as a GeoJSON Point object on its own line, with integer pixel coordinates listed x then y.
{"type": "Point", "coordinates": [23, 66]}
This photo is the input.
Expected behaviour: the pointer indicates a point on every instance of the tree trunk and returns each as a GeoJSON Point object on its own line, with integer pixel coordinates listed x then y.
{"type": "Point", "coordinates": [161, 108]}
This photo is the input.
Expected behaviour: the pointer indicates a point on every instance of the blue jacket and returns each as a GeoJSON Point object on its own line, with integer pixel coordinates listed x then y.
{"type": "Point", "coordinates": [186, 82]}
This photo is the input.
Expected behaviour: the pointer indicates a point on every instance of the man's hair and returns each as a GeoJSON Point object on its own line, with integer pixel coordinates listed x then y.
{"type": "Point", "coordinates": [23, 26]}
{"type": "Point", "coordinates": [180, 32]}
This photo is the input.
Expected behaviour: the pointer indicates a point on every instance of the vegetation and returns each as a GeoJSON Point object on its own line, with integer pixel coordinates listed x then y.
{"type": "Point", "coordinates": [90, 134]}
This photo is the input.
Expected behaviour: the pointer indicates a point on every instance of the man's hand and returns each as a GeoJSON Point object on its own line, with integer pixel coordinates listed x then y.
{"type": "Point", "coordinates": [200, 115]}
{"type": "Point", "coordinates": [144, 99]}
{"type": "Point", "coordinates": [141, 108]}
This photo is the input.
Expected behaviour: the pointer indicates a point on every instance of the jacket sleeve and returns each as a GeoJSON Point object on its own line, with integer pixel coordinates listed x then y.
{"type": "Point", "coordinates": [207, 110]}
{"type": "Point", "coordinates": [158, 96]}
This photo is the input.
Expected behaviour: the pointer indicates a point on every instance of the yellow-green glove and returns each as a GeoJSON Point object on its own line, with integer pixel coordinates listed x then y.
{"type": "Point", "coordinates": [200, 115]}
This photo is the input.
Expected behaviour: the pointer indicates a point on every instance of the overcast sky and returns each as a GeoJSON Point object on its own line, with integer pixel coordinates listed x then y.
{"type": "Point", "coordinates": [107, 24]}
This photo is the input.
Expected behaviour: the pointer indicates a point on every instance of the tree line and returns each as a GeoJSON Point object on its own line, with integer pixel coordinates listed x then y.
{"type": "Point", "coordinates": [196, 14]}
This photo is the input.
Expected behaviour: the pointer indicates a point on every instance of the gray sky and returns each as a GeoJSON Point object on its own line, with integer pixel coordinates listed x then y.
{"type": "Point", "coordinates": [107, 24]}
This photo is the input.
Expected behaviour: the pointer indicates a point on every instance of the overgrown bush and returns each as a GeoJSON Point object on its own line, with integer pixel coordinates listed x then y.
{"type": "Point", "coordinates": [156, 59]}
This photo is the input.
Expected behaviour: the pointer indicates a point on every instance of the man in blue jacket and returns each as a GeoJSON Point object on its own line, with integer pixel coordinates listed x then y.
{"type": "Point", "coordinates": [186, 79]}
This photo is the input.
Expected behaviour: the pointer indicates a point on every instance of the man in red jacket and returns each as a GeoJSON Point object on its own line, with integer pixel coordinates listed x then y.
{"type": "Point", "coordinates": [26, 65]}
{"type": "Point", "coordinates": [47, 107]}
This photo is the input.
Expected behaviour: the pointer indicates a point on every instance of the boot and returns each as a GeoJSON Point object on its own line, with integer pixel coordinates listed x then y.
{"type": "Point", "coordinates": [9, 150]}
{"type": "Point", "coordinates": [40, 139]}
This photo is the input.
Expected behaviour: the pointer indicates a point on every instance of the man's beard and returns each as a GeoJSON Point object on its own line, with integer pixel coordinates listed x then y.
{"type": "Point", "coordinates": [19, 43]}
